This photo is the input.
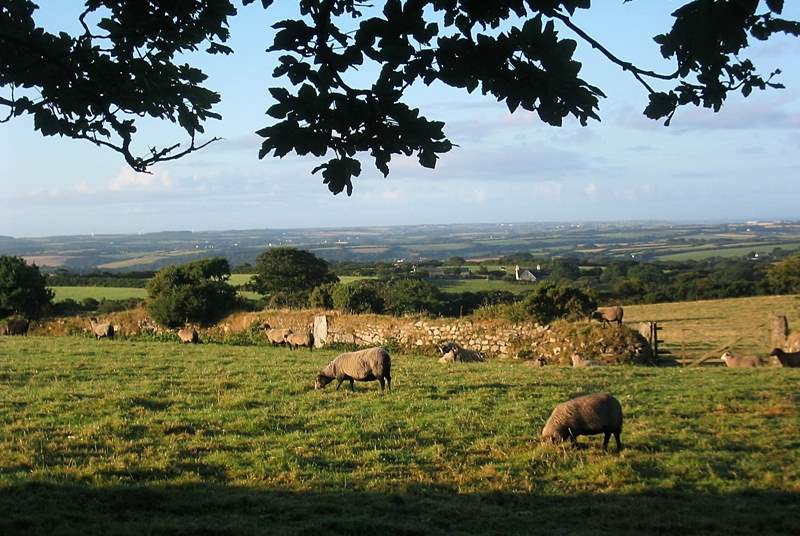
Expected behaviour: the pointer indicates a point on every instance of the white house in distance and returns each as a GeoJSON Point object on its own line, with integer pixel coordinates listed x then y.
{"type": "Point", "coordinates": [524, 275]}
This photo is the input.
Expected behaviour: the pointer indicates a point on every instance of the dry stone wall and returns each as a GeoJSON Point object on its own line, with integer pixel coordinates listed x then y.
{"type": "Point", "coordinates": [554, 343]}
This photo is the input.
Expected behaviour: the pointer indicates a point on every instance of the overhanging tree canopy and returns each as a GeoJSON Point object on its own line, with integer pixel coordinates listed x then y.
{"type": "Point", "coordinates": [126, 65]}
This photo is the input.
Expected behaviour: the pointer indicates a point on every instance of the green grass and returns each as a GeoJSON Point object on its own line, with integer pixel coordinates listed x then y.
{"type": "Point", "coordinates": [475, 285]}
{"type": "Point", "coordinates": [240, 279]}
{"type": "Point", "coordinates": [731, 251]}
{"type": "Point", "coordinates": [98, 293]}
{"type": "Point", "coordinates": [695, 329]}
{"type": "Point", "coordinates": [137, 437]}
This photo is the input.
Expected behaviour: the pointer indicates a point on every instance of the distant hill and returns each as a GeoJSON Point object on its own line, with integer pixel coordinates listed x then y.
{"type": "Point", "coordinates": [637, 240]}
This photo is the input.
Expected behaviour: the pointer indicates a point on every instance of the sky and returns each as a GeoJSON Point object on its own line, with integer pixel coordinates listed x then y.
{"type": "Point", "coordinates": [739, 164]}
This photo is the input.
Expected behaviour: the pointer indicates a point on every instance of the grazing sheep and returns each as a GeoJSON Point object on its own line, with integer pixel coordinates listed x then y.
{"type": "Point", "coordinates": [278, 336]}
{"type": "Point", "coordinates": [740, 361]}
{"type": "Point", "coordinates": [101, 329]}
{"type": "Point", "coordinates": [536, 362]}
{"type": "Point", "coordinates": [188, 335]}
{"type": "Point", "coordinates": [581, 362]}
{"type": "Point", "coordinates": [363, 365]}
{"type": "Point", "coordinates": [786, 359]}
{"type": "Point", "coordinates": [454, 352]}
{"type": "Point", "coordinates": [295, 340]}
{"type": "Point", "coordinates": [607, 315]}
{"type": "Point", "coordinates": [586, 415]}
{"type": "Point", "coordinates": [16, 326]}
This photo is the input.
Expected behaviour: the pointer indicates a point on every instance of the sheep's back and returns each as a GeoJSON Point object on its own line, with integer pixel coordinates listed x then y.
{"type": "Point", "coordinates": [586, 415]}
{"type": "Point", "coordinates": [360, 364]}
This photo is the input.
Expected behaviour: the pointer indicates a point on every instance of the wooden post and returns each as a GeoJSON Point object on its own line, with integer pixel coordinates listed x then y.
{"type": "Point", "coordinates": [779, 330]}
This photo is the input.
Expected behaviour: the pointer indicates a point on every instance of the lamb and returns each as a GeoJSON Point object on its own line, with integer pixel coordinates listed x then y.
{"type": "Point", "coordinates": [188, 335]}
{"type": "Point", "coordinates": [295, 340]}
{"type": "Point", "coordinates": [16, 326]}
{"type": "Point", "coordinates": [277, 336]}
{"type": "Point", "coordinates": [101, 329]}
{"type": "Point", "coordinates": [607, 315]}
{"type": "Point", "coordinates": [586, 415]}
{"type": "Point", "coordinates": [740, 361]}
{"type": "Point", "coordinates": [582, 362]}
{"type": "Point", "coordinates": [454, 352]}
{"type": "Point", "coordinates": [363, 365]}
{"type": "Point", "coordinates": [786, 359]}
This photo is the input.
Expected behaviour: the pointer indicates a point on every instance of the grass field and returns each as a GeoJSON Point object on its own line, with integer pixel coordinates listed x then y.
{"type": "Point", "coordinates": [475, 285]}
{"type": "Point", "coordinates": [695, 329]}
{"type": "Point", "coordinates": [98, 293]}
{"type": "Point", "coordinates": [140, 437]}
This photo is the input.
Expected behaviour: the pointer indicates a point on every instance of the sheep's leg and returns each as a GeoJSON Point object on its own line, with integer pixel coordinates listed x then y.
{"type": "Point", "coordinates": [619, 443]}
{"type": "Point", "coordinates": [389, 382]}
{"type": "Point", "coordinates": [352, 385]}
{"type": "Point", "coordinates": [382, 382]}
{"type": "Point", "coordinates": [607, 436]}
{"type": "Point", "coordinates": [340, 383]}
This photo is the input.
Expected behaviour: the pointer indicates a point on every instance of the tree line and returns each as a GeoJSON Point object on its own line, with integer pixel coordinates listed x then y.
{"type": "Point", "coordinates": [200, 291]}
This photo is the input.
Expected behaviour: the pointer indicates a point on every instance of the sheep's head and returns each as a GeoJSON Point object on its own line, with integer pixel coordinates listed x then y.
{"type": "Point", "coordinates": [322, 381]}
{"type": "Point", "coordinates": [776, 352]}
{"type": "Point", "coordinates": [725, 357]}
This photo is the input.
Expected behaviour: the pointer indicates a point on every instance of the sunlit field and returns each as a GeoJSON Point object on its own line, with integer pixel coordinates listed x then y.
{"type": "Point", "coordinates": [144, 437]}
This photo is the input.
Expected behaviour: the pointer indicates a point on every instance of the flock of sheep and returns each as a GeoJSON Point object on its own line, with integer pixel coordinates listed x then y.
{"type": "Point", "coordinates": [586, 415]}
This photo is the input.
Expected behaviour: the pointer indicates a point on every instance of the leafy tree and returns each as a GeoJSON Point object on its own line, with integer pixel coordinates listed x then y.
{"type": "Point", "coordinates": [564, 270]}
{"type": "Point", "coordinates": [361, 296]}
{"type": "Point", "coordinates": [784, 277]}
{"type": "Point", "coordinates": [404, 296]}
{"type": "Point", "coordinates": [549, 301]}
{"type": "Point", "coordinates": [194, 292]}
{"type": "Point", "coordinates": [129, 64]}
{"type": "Point", "coordinates": [289, 270]}
{"type": "Point", "coordinates": [320, 297]}
{"type": "Point", "coordinates": [23, 289]}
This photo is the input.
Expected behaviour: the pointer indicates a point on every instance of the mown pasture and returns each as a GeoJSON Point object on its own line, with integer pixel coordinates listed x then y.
{"type": "Point", "coordinates": [697, 329]}
{"type": "Point", "coordinates": [148, 437]}
{"type": "Point", "coordinates": [98, 293]}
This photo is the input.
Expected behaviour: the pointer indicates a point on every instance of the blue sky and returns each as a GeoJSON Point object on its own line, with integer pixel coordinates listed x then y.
{"type": "Point", "coordinates": [741, 163]}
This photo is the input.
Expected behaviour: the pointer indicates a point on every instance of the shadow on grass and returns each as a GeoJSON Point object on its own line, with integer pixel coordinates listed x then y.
{"type": "Point", "coordinates": [40, 507]}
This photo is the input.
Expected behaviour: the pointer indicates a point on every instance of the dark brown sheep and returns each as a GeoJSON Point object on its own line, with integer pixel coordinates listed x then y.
{"type": "Point", "coordinates": [608, 315]}
{"type": "Point", "coordinates": [586, 415]}
{"type": "Point", "coordinates": [786, 359]}
{"type": "Point", "coordinates": [16, 326]}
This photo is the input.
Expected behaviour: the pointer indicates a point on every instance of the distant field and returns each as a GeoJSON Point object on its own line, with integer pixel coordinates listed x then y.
{"type": "Point", "coordinates": [240, 279]}
{"type": "Point", "coordinates": [146, 260]}
{"type": "Point", "coordinates": [123, 437]}
{"type": "Point", "coordinates": [695, 329]}
{"type": "Point", "coordinates": [736, 251]}
{"type": "Point", "coordinates": [475, 285]}
{"type": "Point", "coordinates": [98, 293]}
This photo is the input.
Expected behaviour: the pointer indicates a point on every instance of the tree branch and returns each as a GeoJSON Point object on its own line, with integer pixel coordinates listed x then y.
{"type": "Point", "coordinates": [625, 65]}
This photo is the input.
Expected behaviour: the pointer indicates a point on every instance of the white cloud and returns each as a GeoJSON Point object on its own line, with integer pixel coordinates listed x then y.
{"type": "Point", "coordinates": [590, 189]}
{"type": "Point", "coordinates": [127, 179]}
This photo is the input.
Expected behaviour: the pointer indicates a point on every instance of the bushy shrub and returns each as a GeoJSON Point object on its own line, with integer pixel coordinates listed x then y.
{"type": "Point", "coordinates": [404, 296]}
{"type": "Point", "coordinates": [23, 289]}
{"type": "Point", "coordinates": [194, 292]}
{"type": "Point", "coordinates": [320, 297]}
{"type": "Point", "coordinates": [362, 296]}
{"type": "Point", "coordinates": [551, 301]}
